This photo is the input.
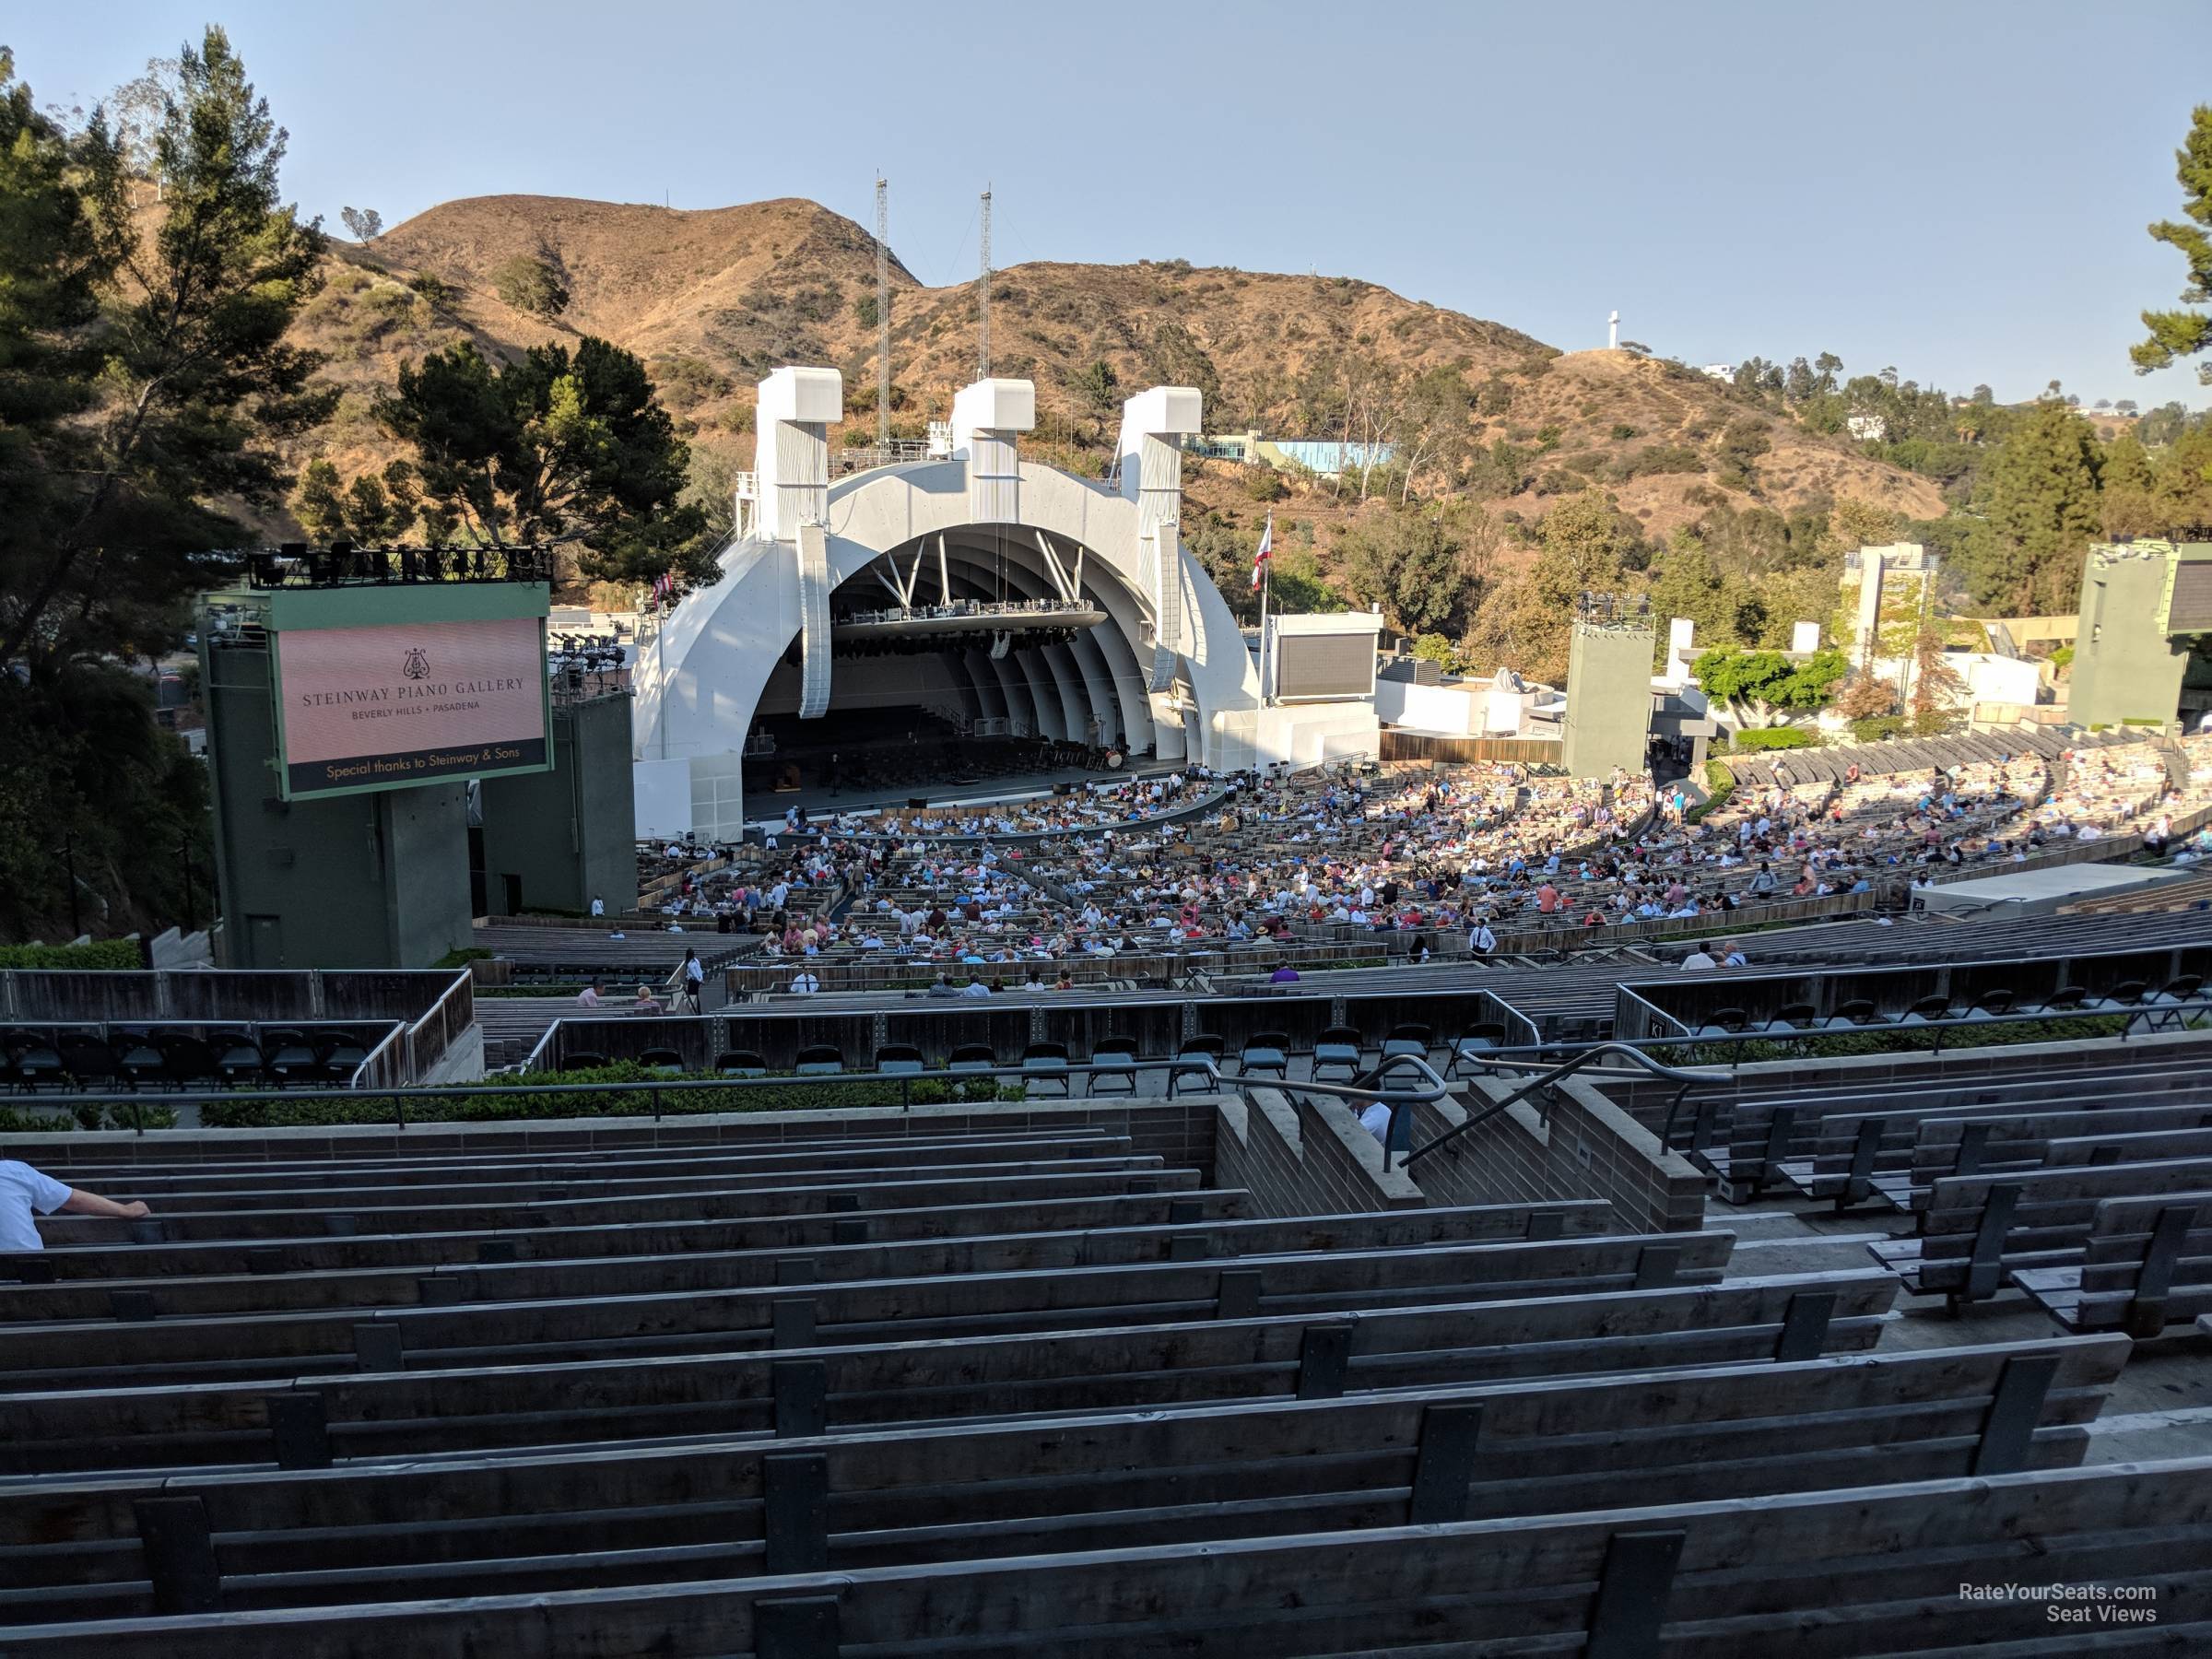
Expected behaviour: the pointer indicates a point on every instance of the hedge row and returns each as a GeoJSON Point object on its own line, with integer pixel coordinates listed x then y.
{"type": "Point", "coordinates": [84, 1116]}
{"type": "Point", "coordinates": [706, 1094]}
{"type": "Point", "coordinates": [99, 953]}
{"type": "Point", "coordinates": [1900, 1039]}
{"type": "Point", "coordinates": [1754, 739]}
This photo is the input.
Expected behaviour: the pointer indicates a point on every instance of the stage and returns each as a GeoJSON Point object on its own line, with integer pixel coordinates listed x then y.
{"type": "Point", "coordinates": [2038, 892]}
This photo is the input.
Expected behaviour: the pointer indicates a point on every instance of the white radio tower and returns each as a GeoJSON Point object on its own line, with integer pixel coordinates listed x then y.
{"type": "Point", "coordinates": [983, 303]}
{"type": "Point", "coordinates": [883, 315]}
{"type": "Point", "coordinates": [1613, 332]}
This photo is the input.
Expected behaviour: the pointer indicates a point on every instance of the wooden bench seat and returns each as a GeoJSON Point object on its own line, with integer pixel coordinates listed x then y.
{"type": "Point", "coordinates": [1977, 1230]}
{"type": "Point", "coordinates": [417, 1413]}
{"type": "Point", "coordinates": [127, 1352]}
{"type": "Point", "coordinates": [1839, 1575]}
{"type": "Point", "coordinates": [232, 1288]}
{"type": "Point", "coordinates": [71, 1548]}
{"type": "Point", "coordinates": [887, 1191]}
{"type": "Point", "coordinates": [338, 1251]}
{"type": "Point", "coordinates": [2146, 1264]}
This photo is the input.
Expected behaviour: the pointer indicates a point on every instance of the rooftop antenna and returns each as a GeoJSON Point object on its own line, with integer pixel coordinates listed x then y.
{"type": "Point", "coordinates": [1613, 332]}
{"type": "Point", "coordinates": [982, 304]}
{"type": "Point", "coordinates": [883, 315]}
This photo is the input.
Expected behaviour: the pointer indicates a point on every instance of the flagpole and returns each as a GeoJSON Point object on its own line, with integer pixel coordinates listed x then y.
{"type": "Point", "coordinates": [1267, 576]}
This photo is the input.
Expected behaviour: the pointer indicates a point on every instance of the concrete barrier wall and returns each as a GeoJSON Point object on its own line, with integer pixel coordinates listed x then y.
{"type": "Point", "coordinates": [1585, 1146]}
{"type": "Point", "coordinates": [1307, 1158]}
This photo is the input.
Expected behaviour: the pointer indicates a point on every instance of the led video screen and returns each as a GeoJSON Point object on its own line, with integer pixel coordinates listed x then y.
{"type": "Point", "coordinates": [414, 702]}
{"type": "Point", "coordinates": [2190, 609]}
{"type": "Point", "coordinates": [1324, 666]}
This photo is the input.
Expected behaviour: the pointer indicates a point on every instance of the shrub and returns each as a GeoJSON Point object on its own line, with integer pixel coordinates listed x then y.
{"type": "Point", "coordinates": [1661, 458]}
{"type": "Point", "coordinates": [99, 953]}
{"type": "Point", "coordinates": [1264, 484]}
{"type": "Point", "coordinates": [1880, 728]}
{"type": "Point", "coordinates": [686, 1093]}
{"type": "Point", "coordinates": [463, 957]}
{"type": "Point", "coordinates": [84, 1114]}
{"type": "Point", "coordinates": [531, 285]}
{"type": "Point", "coordinates": [1776, 738]}
{"type": "Point", "coordinates": [1905, 1040]}
{"type": "Point", "coordinates": [1720, 783]}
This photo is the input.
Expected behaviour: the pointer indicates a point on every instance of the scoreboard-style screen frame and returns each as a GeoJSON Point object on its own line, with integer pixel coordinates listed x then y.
{"type": "Point", "coordinates": [2189, 592]}
{"type": "Point", "coordinates": [407, 618]}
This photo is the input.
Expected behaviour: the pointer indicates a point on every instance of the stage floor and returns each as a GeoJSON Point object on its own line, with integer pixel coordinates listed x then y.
{"type": "Point", "coordinates": [762, 807]}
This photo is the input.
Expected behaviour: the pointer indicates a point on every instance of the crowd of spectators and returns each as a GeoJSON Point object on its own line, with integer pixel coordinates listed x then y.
{"type": "Point", "coordinates": [1453, 856]}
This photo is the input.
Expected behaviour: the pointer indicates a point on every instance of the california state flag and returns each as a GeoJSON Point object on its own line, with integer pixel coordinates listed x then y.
{"type": "Point", "coordinates": [1259, 560]}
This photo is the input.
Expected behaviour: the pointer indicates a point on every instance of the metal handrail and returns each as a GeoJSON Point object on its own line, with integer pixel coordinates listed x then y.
{"type": "Point", "coordinates": [1573, 1063]}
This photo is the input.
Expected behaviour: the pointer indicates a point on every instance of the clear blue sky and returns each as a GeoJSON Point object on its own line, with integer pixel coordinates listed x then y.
{"type": "Point", "coordinates": [1957, 189]}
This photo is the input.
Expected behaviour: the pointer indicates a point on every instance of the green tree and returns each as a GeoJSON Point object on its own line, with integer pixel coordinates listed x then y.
{"type": "Point", "coordinates": [2184, 332]}
{"type": "Point", "coordinates": [1760, 687]}
{"type": "Point", "coordinates": [531, 285]}
{"type": "Point", "coordinates": [2128, 486]}
{"type": "Point", "coordinates": [319, 502]}
{"type": "Point", "coordinates": [1741, 444]}
{"type": "Point", "coordinates": [1687, 580]}
{"type": "Point", "coordinates": [1412, 562]}
{"type": "Point", "coordinates": [1789, 598]}
{"type": "Point", "coordinates": [1526, 623]}
{"type": "Point", "coordinates": [555, 447]}
{"type": "Point", "coordinates": [2043, 509]}
{"type": "Point", "coordinates": [2181, 492]}
{"type": "Point", "coordinates": [131, 434]}
{"type": "Point", "coordinates": [147, 274]}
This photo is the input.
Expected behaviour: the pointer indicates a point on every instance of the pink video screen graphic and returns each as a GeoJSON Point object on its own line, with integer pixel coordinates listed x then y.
{"type": "Point", "coordinates": [411, 702]}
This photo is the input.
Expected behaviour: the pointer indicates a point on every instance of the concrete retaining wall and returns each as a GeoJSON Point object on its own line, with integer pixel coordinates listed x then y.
{"type": "Point", "coordinates": [1310, 1157]}
{"type": "Point", "coordinates": [1585, 1146]}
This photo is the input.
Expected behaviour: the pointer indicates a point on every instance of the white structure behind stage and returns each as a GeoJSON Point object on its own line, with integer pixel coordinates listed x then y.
{"type": "Point", "coordinates": [1167, 674]}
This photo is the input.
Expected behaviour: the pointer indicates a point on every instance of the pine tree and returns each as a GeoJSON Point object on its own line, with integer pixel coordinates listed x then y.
{"type": "Point", "coordinates": [2181, 496]}
{"type": "Point", "coordinates": [2180, 334]}
{"type": "Point", "coordinates": [2128, 480]}
{"type": "Point", "coordinates": [2044, 512]}
{"type": "Point", "coordinates": [188, 385]}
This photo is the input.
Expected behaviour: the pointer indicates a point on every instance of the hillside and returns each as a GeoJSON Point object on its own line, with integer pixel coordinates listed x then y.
{"type": "Point", "coordinates": [713, 300]}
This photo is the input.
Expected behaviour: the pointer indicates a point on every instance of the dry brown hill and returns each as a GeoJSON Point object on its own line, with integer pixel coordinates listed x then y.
{"type": "Point", "coordinates": [713, 300]}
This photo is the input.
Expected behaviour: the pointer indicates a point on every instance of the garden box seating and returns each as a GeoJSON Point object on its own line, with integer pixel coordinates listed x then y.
{"type": "Point", "coordinates": [1265, 1052]}
{"type": "Point", "coordinates": [1113, 1060]}
{"type": "Point", "coordinates": [1043, 1063]}
{"type": "Point", "coordinates": [1339, 1048]}
{"type": "Point", "coordinates": [1197, 1062]}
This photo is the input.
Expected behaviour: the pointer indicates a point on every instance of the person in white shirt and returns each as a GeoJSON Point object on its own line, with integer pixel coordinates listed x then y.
{"type": "Point", "coordinates": [804, 983]}
{"type": "Point", "coordinates": [1482, 941]}
{"type": "Point", "coordinates": [24, 1190]}
{"type": "Point", "coordinates": [1375, 1120]}
{"type": "Point", "coordinates": [598, 905]}
{"type": "Point", "coordinates": [589, 996]}
{"type": "Point", "coordinates": [1698, 959]}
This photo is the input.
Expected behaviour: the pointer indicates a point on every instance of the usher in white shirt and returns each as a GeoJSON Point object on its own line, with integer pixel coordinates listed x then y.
{"type": "Point", "coordinates": [23, 1189]}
